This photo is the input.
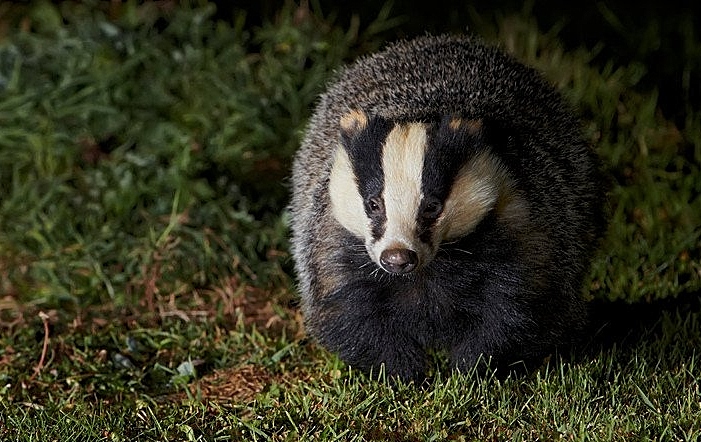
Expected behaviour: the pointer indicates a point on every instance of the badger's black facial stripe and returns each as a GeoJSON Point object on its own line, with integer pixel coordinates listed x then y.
{"type": "Point", "coordinates": [451, 143]}
{"type": "Point", "coordinates": [364, 149]}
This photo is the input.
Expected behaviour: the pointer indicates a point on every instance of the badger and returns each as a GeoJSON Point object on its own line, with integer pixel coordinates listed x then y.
{"type": "Point", "coordinates": [444, 201]}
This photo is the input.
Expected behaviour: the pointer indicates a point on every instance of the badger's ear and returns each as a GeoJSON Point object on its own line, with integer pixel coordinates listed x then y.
{"type": "Point", "coordinates": [353, 123]}
{"type": "Point", "coordinates": [472, 127]}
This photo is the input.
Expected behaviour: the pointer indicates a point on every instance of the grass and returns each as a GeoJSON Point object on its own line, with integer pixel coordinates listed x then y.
{"type": "Point", "coordinates": [144, 151]}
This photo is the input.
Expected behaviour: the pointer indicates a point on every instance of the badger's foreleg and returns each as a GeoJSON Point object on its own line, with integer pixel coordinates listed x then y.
{"type": "Point", "coordinates": [516, 329]}
{"type": "Point", "coordinates": [356, 323]}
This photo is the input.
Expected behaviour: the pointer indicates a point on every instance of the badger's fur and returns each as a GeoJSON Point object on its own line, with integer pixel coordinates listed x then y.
{"type": "Point", "coordinates": [443, 199]}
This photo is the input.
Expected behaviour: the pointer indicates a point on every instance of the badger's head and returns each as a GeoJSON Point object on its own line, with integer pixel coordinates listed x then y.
{"type": "Point", "coordinates": [407, 187]}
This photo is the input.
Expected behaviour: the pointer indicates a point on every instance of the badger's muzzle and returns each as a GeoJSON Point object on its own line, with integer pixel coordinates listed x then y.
{"type": "Point", "coordinates": [399, 261]}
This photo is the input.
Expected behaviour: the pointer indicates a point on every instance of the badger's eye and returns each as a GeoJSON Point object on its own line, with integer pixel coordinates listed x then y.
{"type": "Point", "coordinates": [374, 206]}
{"type": "Point", "coordinates": [431, 209]}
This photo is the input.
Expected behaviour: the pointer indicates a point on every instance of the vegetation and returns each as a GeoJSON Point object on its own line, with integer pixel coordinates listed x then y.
{"type": "Point", "coordinates": [146, 290]}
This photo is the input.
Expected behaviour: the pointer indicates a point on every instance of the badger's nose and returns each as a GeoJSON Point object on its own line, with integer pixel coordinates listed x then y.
{"type": "Point", "coordinates": [399, 260]}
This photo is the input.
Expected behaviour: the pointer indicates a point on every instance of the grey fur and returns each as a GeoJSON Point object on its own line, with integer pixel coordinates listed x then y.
{"type": "Point", "coordinates": [556, 173]}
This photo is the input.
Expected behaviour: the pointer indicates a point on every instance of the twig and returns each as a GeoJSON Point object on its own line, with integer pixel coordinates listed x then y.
{"type": "Point", "coordinates": [45, 319]}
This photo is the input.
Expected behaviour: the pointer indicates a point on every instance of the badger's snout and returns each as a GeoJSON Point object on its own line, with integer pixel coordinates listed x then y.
{"type": "Point", "coordinates": [399, 261]}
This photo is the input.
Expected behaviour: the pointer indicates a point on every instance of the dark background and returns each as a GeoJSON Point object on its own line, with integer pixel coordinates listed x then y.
{"type": "Point", "coordinates": [658, 34]}
{"type": "Point", "coordinates": [661, 35]}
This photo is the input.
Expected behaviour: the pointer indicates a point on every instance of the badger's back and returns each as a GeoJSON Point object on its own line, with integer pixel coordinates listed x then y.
{"type": "Point", "coordinates": [528, 129]}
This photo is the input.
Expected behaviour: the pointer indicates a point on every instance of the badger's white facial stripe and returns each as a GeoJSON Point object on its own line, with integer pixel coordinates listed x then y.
{"type": "Point", "coordinates": [346, 202]}
{"type": "Point", "coordinates": [402, 163]}
{"type": "Point", "coordinates": [475, 191]}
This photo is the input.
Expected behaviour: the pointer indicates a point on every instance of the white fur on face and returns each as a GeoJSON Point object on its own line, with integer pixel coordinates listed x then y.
{"type": "Point", "coordinates": [346, 203]}
{"type": "Point", "coordinates": [476, 189]}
